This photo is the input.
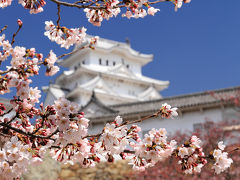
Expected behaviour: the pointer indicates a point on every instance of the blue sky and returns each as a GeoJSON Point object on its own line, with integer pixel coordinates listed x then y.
{"type": "Point", "coordinates": [196, 48]}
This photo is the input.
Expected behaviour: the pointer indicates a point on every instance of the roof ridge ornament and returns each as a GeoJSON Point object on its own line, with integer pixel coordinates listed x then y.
{"type": "Point", "coordinates": [127, 41]}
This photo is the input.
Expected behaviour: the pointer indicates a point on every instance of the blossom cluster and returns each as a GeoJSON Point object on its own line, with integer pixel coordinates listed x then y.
{"type": "Point", "coordinates": [60, 127]}
{"type": "Point", "coordinates": [96, 16]}
{"type": "Point", "coordinates": [49, 62]}
{"type": "Point", "coordinates": [64, 130]}
{"type": "Point", "coordinates": [191, 155]}
{"type": "Point", "coordinates": [222, 162]}
{"type": "Point", "coordinates": [167, 111]}
{"type": "Point", "coordinates": [6, 48]}
{"type": "Point", "coordinates": [15, 157]}
{"type": "Point", "coordinates": [102, 10]}
{"type": "Point", "coordinates": [64, 36]}
{"type": "Point", "coordinates": [72, 127]}
{"type": "Point", "coordinates": [5, 3]}
{"type": "Point", "coordinates": [135, 9]}
{"type": "Point", "coordinates": [24, 64]}
{"type": "Point", "coordinates": [179, 3]}
{"type": "Point", "coordinates": [35, 6]}
{"type": "Point", "coordinates": [152, 149]}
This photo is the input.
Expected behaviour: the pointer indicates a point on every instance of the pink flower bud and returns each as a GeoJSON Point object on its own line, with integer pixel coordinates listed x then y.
{"type": "Point", "coordinates": [20, 23]}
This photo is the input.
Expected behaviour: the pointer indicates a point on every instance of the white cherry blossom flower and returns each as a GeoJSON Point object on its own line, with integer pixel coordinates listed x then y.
{"type": "Point", "coordinates": [152, 11]}
{"type": "Point", "coordinates": [221, 145]}
{"type": "Point", "coordinates": [183, 152]}
{"type": "Point", "coordinates": [5, 3]}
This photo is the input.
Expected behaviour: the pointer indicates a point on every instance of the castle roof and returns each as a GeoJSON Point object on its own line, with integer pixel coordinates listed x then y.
{"type": "Point", "coordinates": [109, 46]}
{"type": "Point", "coordinates": [188, 102]}
{"type": "Point", "coordinates": [117, 72]}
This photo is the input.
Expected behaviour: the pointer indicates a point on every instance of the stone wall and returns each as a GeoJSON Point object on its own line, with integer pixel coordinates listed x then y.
{"type": "Point", "coordinates": [103, 171]}
{"type": "Point", "coordinates": [52, 170]}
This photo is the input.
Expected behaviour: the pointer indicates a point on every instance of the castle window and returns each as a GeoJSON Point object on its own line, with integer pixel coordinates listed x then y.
{"type": "Point", "coordinates": [127, 66]}
{"type": "Point", "coordinates": [106, 62]}
{"type": "Point", "coordinates": [114, 63]}
{"type": "Point", "coordinates": [75, 68]}
{"type": "Point", "coordinates": [100, 61]}
{"type": "Point", "coordinates": [83, 62]}
{"type": "Point", "coordinates": [131, 92]}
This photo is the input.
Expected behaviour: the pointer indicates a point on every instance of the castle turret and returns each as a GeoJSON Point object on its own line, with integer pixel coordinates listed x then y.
{"type": "Point", "coordinates": [113, 71]}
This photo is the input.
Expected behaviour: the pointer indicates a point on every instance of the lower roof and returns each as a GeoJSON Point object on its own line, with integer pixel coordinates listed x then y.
{"type": "Point", "coordinates": [187, 102]}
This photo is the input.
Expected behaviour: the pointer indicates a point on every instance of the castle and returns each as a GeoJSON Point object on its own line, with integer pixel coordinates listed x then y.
{"type": "Point", "coordinates": [108, 81]}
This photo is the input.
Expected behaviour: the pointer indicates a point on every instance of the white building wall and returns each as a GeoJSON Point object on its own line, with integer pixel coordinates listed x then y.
{"type": "Point", "coordinates": [124, 88]}
{"type": "Point", "coordinates": [79, 61]}
{"type": "Point", "coordinates": [185, 122]}
{"type": "Point", "coordinates": [49, 99]}
{"type": "Point", "coordinates": [94, 57]}
{"type": "Point", "coordinates": [84, 78]}
{"type": "Point", "coordinates": [136, 68]}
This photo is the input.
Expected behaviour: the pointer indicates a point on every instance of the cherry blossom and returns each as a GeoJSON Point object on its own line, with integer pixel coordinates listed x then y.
{"type": "Point", "coordinates": [167, 111]}
{"type": "Point", "coordinates": [60, 127]}
{"type": "Point", "coordinates": [152, 149]}
{"type": "Point", "coordinates": [191, 156]}
{"type": "Point", "coordinates": [222, 162]}
{"type": "Point", "coordinates": [5, 3]}
{"type": "Point", "coordinates": [64, 36]}
{"type": "Point", "coordinates": [35, 6]}
{"type": "Point", "coordinates": [6, 48]}
{"type": "Point", "coordinates": [152, 11]}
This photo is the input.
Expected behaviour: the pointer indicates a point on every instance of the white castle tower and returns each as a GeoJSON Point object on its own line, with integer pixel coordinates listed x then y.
{"type": "Point", "coordinates": [113, 72]}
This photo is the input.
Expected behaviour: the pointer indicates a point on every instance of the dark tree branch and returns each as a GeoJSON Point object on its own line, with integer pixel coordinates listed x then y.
{"type": "Point", "coordinates": [58, 13]}
{"type": "Point", "coordinates": [15, 34]}
{"type": "Point", "coordinates": [128, 122]}
{"type": "Point", "coordinates": [236, 149]}
{"type": "Point", "coordinates": [73, 52]}
{"type": "Point", "coordinates": [6, 112]}
{"type": "Point", "coordinates": [27, 133]}
{"type": "Point", "coordinates": [12, 119]}
{"type": "Point", "coordinates": [4, 28]}
{"type": "Point", "coordinates": [76, 4]}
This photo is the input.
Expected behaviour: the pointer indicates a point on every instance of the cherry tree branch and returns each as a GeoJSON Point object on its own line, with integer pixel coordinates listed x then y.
{"type": "Point", "coordinates": [7, 71]}
{"type": "Point", "coordinates": [4, 28]}
{"type": "Point", "coordinates": [58, 13]}
{"type": "Point", "coordinates": [27, 133]}
{"type": "Point", "coordinates": [15, 34]}
{"type": "Point", "coordinates": [129, 122]}
{"type": "Point", "coordinates": [72, 52]}
{"type": "Point", "coordinates": [6, 112]}
{"type": "Point", "coordinates": [236, 149]}
{"type": "Point", "coordinates": [12, 119]}
{"type": "Point", "coordinates": [142, 119]}
{"type": "Point", "coordinates": [76, 4]}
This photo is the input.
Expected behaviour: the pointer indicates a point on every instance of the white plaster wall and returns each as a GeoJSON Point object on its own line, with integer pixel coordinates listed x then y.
{"type": "Point", "coordinates": [78, 62]}
{"type": "Point", "coordinates": [95, 56]}
{"type": "Point", "coordinates": [84, 78]}
{"type": "Point", "coordinates": [136, 68]}
{"type": "Point", "coordinates": [94, 59]}
{"type": "Point", "coordinates": [183, 123]}
{"type": "Point", "coordinates": [49, 99]}
{"type": "Point", "coordinates": [124, 88]}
